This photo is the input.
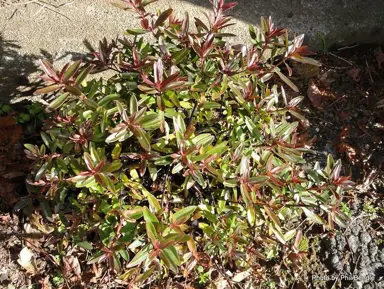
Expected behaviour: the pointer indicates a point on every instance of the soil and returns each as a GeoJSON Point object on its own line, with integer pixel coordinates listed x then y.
{"type": "Point", "coordinates": [10, 246]}
{"type": "Point", "coordinates": [344, 106]}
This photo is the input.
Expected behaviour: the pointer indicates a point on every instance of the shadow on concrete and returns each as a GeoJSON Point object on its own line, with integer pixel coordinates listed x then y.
{"type": "Point", "coordinates": [336, 22]}
{"type": "Point", "coordinates": [14, 70]}
{"type": "Point", "coordinates": [249, 11]}
{"type": "Point", "coordinates": [19, 72]}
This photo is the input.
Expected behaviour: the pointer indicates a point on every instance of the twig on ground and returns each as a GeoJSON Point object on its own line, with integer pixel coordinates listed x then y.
{"type": "Point", "coordinates": [348, 47]}
{"type": "Point", "coordinates": [45, 5]}
{"type": "Point", "coordinates": [369, 71]}
{"type": "Point", "coordinates": [341, 58]}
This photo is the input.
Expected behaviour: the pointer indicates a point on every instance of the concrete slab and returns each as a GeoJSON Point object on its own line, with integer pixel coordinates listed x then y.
{"type": "Point", "coordinates": [56, 30]}
{"type": "Point", "coordinates": [30, 31]}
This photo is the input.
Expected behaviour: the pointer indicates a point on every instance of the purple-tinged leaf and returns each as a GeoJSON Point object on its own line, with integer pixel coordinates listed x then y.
{"type": "Point", "coordinates": [158, 71]}
{"type": "Point", "coordinates": [48, 69]}
{"type": "Point", "coordinates": [163, 17]}
{"type": "Point", "coordinates": [200, 24]}
{"type": "Point", "coordinates": [88, 161]}
{"type": "Point", "coordinates": [228, 6]}
{"type": "Point", "coordinates": [185, 25]}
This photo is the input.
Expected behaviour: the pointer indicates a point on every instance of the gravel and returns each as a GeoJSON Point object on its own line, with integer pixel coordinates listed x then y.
{"type": "Point", "coordinates": [354, 254]}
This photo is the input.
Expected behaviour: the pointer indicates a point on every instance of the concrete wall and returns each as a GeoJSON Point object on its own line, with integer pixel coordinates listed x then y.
{"type": "Point", "coordinates": [56, 31]}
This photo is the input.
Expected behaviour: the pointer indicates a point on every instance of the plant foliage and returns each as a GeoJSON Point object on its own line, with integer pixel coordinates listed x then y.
{"type": "Point", "coordinates": [188, 157]}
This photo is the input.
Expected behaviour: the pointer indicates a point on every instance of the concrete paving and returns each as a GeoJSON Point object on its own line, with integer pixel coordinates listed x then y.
{"type": "Point", "coordinates": [56, 29]}
{"type": "Point", "coordinates": [30, 31]}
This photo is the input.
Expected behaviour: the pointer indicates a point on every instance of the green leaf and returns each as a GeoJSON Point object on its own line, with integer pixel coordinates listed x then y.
{"type": "Point", "coordinates": [203, 139]}
{"type": "Point", "coordinates": [151, 232]}
{"type": "Point", "coordinates": [218, 149]}
{"type": "Point", "coordinates": [143, 139]}
{"type": "Point", "coordinates": [172, 238]}
{"type": "Point", "coordinates": [48, 89]}
{"type": "Point", "coordinates": [183, 215]}
{"type": "Point", "coordinates": [57, 103]}
{"type": "Point", "coordinates": [40, 173]}
{"type": "Point", "coordinates": [142, 255]}
{"type": "Point", "coordinates": [149, 217]}
{"type": "Point", "coordinates": [135, 213]}
{"type": "Point", "coordinates": [179, 124]}
{"type": "Point", "coordinates": [278, 234]}
{"type": "Point", "coordinates": [85, 245]}
{"type": "Point", "coordinates": [177, 168]}
{"type": "Point", "coordinates": [252, 128]}
{"type": "Point", "coordinates": [257, 180]}
{"type": "Point", "coordinates": [150, 121]}
{"type": "Point", "coordinates": [112, 167]}
{"type": "Point", "coordinates": [46, 139]}
{"type": "Point", "coordinates": [71, 71]}
{"type": "Point", "coordinates": [83, 74]}
{"type": "Point", "coordinates": [211, 105]}
{"type": "Point", "coordinates": [124, 254]}
{"type": "Point", "coordinates": [171, 258]}
{"type": "Point", "coordinates": [133, 107]}
{"type": "Point", "coordinates": [136, 31]}
{"type": "Point", "coordinates": [179, 56]}
{"type": "Point", "coordinates": [96, 257]}
{"type": "Point", "coordinates": [314, 217]}
{"type": "Point", "coordinates": [306, 60]}
{"type": "Point", "coordinates": [286, 80]}
{"type": "Point", "coordinates": [107, 182]}
{"type": "Point", "coordinates": [30, 147]}
{"type": "Point", "coordinates": [251, 217]}
{"type": "Point", "coordinates": [116, 151]}
{"type": "Point", "coordinates": [173, 97]}
{"type": "Point", "coordinates": [231, 183]}
{"type": "Point", "coordinates": [108, 99]}
{"type": "Point", "coordinates": [153, 202]}
{"type": "Point", "coordinates": [147, 2]}
{"type": "Point", "coordinates": [289, 235]}
{"type": "Point", "coordinates": [116, 263]}
{"type": "Point", "coordinates": [46, 210]}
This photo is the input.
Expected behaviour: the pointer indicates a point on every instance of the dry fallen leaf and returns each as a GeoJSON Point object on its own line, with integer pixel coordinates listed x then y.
{"type": "Point", "coordinates": [72, 265]}
{"type": "Point", "coordinates": [242, 276]}
{"type": "Point", "coordinates": [221, 283]}
{"type": "Point", "coordinates": [317, 94]}
{"type": "Point", "coordinates": [27, 260]}
{"type": "Point", "coordinates": [351, 153]}
{"type": "Point", "coordinates": [35, 220]}
{"type": "Point", "coordinates": [45, 283]}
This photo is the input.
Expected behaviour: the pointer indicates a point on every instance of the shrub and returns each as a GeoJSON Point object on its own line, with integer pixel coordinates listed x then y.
{"type": "Point", "coordinates": [188, 158]}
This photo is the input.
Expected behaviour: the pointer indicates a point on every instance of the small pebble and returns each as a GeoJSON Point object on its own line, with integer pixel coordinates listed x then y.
{"type": "Point", "coordinates": [317, 129]}
{"type": "Point", "coordinates": [336, 264]}
{"type": "Point", "coordinates": [365, 238]}
{"type": "Point", "coordinates": [353, 243]}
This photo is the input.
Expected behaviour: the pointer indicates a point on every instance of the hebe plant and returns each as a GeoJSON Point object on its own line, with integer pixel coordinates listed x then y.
{"type": "Point", "coordinates": [189, 157]}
